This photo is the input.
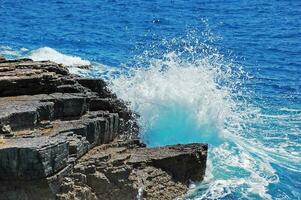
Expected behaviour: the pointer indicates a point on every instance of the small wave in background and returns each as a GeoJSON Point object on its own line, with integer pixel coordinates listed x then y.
{"type": "Point", "coordinates": [75, 64]}
{"type": "Point", "coordinates": [47, 53]}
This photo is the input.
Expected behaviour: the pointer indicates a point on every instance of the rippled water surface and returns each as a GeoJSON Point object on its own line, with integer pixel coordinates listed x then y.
{"type": "Point", "coordinates": [223, 72]}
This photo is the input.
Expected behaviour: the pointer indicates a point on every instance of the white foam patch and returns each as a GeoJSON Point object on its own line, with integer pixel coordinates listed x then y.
{"type": "Point", "coordinates": [47, 53]}
{"type": "Point", "coordinates": [9, 52]}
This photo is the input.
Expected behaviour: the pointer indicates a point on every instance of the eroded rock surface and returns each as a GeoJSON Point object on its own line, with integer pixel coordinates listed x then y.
{"type": "Point", "coordinates": [68, 137]}
{"type": "Point", "coordinates": [131, 170]}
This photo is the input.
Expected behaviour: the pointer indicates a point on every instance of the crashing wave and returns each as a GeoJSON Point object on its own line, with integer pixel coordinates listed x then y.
{"type": "Point", "coordinates": [182, 99]}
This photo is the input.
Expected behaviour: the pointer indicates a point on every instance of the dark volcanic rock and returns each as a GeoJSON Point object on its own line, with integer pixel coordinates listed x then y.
{"type": "Point", "coordinates": [184, 162]}
{"type": "Point", "coordinates": [69, 137]}
{"type": "Point", "coordinates": [96, 85]}
{"type": "Point", "coordinates": [32, 158]}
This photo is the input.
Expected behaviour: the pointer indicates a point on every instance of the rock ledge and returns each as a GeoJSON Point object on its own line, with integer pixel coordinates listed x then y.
{"type": "Point", "coordinates": [68, 137]}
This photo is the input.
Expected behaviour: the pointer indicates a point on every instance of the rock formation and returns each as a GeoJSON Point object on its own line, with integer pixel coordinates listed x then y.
{"type": "Point", "coordinates": [68, 137]}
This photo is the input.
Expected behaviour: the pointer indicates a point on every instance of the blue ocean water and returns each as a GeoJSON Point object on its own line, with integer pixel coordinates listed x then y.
{"type": "Point", "coordinates": [223, 72]}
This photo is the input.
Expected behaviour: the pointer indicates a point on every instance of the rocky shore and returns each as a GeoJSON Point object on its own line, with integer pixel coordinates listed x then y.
{"type": "Point", "coordinates": [67, 137]}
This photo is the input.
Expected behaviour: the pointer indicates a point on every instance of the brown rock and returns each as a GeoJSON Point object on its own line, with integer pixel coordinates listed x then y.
{"type": "Point", "coordinates": [118, 172]}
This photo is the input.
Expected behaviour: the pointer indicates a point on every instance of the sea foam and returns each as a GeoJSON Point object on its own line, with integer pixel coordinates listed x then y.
{"type": "Point", "coordinates": [47, 53]}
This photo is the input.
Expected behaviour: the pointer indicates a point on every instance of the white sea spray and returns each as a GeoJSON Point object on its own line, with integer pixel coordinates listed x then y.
{"type": "Point", "coordinates": [200, 99]}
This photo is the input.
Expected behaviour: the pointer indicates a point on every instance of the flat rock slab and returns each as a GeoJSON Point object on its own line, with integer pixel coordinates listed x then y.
{"type": "Point", "coordinates": [32, 158]}
{"type": "Point", "coordinates": [184, 162]}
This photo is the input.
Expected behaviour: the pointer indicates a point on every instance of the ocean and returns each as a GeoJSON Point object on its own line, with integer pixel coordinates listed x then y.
{"type": "Point", "coordinates": [227, 73]}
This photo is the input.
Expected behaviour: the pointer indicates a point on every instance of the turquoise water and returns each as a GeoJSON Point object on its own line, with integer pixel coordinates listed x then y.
{"type": "Point", "coordinates": [225, 73]}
